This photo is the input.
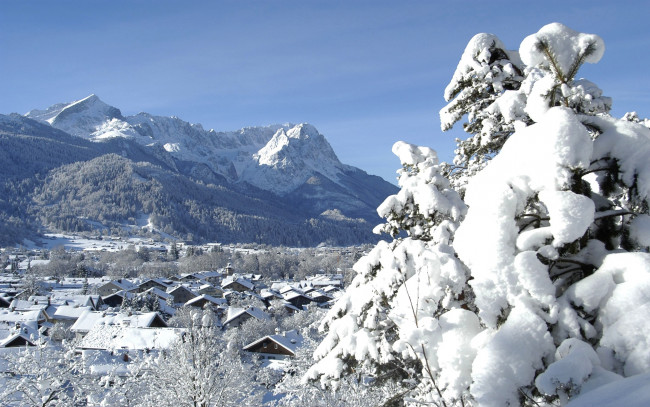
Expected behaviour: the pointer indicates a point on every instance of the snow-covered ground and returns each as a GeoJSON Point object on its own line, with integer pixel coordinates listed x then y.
{"type": "Point", "coordinates": [78, 242]}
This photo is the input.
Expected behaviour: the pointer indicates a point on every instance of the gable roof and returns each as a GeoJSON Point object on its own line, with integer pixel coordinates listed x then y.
{"type": "Point", "coordinates": [16, 340]}
{"type": "Point", "coordinates": [122, 284]}
{"type": "Point", "coordinates": [290, 341]}
{"type": "Point", "coordinates": [69, 312]}
{"type": "Point", "coordinates": [207, 298]}
{"type": "Point", "coordinates": [90, 319]}
{"type": "Point", "coordinates": [234, 313]}
{"type": "Point", "coordinates": [112, 337]}
{"type": "Point", "coordinates": [237, 280]}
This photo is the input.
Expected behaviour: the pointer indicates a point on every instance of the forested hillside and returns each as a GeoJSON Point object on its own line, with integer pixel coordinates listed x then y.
{"type": "Point", "coordinates": [58, 182]}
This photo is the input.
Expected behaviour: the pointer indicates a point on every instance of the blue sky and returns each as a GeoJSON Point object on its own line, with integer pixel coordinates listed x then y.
{"type": "Point", "coordinates": [365, 73]}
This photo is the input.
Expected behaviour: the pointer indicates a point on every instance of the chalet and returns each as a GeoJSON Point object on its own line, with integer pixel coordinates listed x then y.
{"type": "Point", "coordinates": [89, 319]}
{"type": "Point", "coordinates": [181, 294]}
{"type": "Point", "coordinates": [186, 278]}
{"type": "Point", "coordinates": [204, 300]}
{"type": "Point", "coordinates": [64, 298]}
{"type": "Point", "coordinates": [210, 290]}
{"type": "Point", "coordinates": [66, 314]}
{"type": "Point", "coordinates": [320, 297]}
{"type": "Point", "coordinates": [276, 346]}
{"type": "Point", "coordinates": [31, 304]}
{"type": "Point", "coordinates": [116, 299]}
{"type": "Point", "coordinates": [163, 295]}
{"type": "Point", "coordinates": [115, 286]}
{"type": "Point", "coordinates": [158, 283]}
{"type": "Point", "coordinates": [324, 280]}
{"type": "Point", "coordinates": [35, 317]}
{"type": "Point", "coordinates": [297, 299]}
{"type": "Point", "coordinates": [17, 340]}
{"type": "Point", "coordinates": [237, 316]}
{"type": "Point", "coordinates": [212, 277]}
{"type": "Point", "coordinates": [238, 284]}
{"type": "Point", "coordinates": [121, 336]}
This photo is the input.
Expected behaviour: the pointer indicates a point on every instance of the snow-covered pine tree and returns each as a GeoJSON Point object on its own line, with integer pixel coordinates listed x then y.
{"type": "Point", "coordinates": [556, 239]}
{"type": "Point", "coordinates": [407, 313]}
{"type": "Point", "coordinates": [551, 234]}
{"type": "Point", "coordinates": [491, 88]}
{"type": "Point", "coordinates": [487, 72]}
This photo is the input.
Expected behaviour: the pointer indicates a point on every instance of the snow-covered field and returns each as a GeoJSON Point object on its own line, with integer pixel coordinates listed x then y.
{"type": "Point", "coordinates": [78, 242]}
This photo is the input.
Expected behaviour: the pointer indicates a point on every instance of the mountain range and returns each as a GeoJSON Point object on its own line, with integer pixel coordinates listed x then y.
{"type": "Point", "coordinates": [85, 167]}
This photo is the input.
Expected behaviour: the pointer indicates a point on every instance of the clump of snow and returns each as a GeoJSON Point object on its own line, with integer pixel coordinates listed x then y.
{"type": "Point", "coordinates": [510, 358]}
{"type": "Point", "coordinates": [574, 362]}
{"type": "Point", "coordinates": [475, 53]}
{"type": "Point", "coordinates": [564, 44]}
{"type": "Point", "coordinates": [570, 213]}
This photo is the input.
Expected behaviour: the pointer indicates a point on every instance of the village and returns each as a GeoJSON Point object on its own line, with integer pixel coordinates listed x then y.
{"type": "Point", "coordinates": [111, 322]}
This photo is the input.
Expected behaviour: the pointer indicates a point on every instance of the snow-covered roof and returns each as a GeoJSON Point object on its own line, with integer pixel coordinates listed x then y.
{"type": "Point", "coordinates": [21, 316]}
{"type": "Point", "coordinates": [69, 312]}
{"type": "Point", "coordinates": [290, 340]}
{"type": "Point", "coordinates": [235, 312]}
{"type": "Point", "coordinates": [90, 319]}
{"type": "Point", "coordinates": [158, 292]}
{"type": "Point", "coordinates": [66, 298]}
{"type": "Point", "coordinates": [179, 288]}
{"type": "Point", "coordinates": [239, 280]}
{"type": "Point", "coordinates": [28, 305]}
{"type": "Point", "coordinates": [129, 337]}
{"type": "Point", "coordinates": [122, 284]}
{"type": "Point", "coordinates": [207, 297]}
{"type": "Point", "coordinates": [162, 282]}
{"type": "Point", "coordinates": [209, 274]}
{"type": "Point", "coordinates": [267, 293]}
{"type": "Point", "coordinates": [21, 338]}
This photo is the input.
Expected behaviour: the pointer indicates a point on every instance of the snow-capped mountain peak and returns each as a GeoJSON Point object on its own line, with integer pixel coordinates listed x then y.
{"type": "Point", "coordinates": [291, 157]}
{"type": "Point", "coordinates": [277, 158]}
{"type": "Point", "coordinates": [80, 118]}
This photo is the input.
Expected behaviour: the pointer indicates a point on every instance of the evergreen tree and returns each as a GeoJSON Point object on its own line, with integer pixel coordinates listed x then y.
{"type": "Point", "coordinates": [404, 291]}
{"type": "Point", "coordinates": [173, 252]}
{"type": "Point", "coordinates": [498, 92]}
{"type": "Point", "coordinates": [551, 271]}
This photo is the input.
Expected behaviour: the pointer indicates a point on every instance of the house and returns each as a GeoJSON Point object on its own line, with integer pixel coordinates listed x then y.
{"type": "Point", "coordinates": [116, 299]}
{"type": "Point", "coordinates": [158, 283]}
{"type": "Point", "coordinates": [122, 336]}
{"type": "Point", "coordinates": [210, 290]}
{"type": "Point", "coordinates": [204, 299]}
{"type": "Point", "coordinates": [269, 294]}
{"type": "Point", "coordinates": [16, 340]}
{"type": "Point", "coordinates": [238, 284]}
{"type": "Point", "coordinates": [84, 300]}
{"type": "Point", "coordinates": [115, 286]}
{"type": "Point", "coordinates": [297, 299]}
{"type": "Point", "coordinates": [278, 346]}
{"type": "Point", "coordinates": [31, 304]}
{"type": "Point", "coordinates": [89, 319]}
{"type": "Point", "coordinates": [212, 277]}
{"type": "Point", "coordinates": [163, 295]}
{"type": "Point", "coordinates": [35, 317]}
{"type": "Point", "coordinates": [181, 294]}
{"type": "Point", "coordinates": [320, 297]}
{"type": "Point", "coordinates": [237, 316]}
{"type": "Point", "coordinates": [66, 314]}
